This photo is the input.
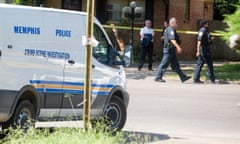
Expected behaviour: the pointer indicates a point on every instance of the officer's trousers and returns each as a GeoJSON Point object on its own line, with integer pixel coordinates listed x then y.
{"type": "Point", "coordinates": [169, 56]}
{"type": "Point", "coordinates": [144, 51]}
{"type": "Point", "coordinates": [207, 58]}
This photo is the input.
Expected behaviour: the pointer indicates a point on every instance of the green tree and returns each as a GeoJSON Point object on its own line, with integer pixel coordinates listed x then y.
{"type": "Point", "coordinates": [28, 2]}
{"type": "Point", "coordinates": [232, 33]}
{"type": "Point", "coordinates": [222, 7]}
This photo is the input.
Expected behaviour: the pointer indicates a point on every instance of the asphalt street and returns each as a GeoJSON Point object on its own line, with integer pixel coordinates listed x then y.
{"type": "Point", "coordinates": [182, 113]}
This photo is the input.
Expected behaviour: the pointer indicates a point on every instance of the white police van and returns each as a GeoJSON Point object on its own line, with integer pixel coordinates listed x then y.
{"type": "Point", "coordinates": [42, 62]}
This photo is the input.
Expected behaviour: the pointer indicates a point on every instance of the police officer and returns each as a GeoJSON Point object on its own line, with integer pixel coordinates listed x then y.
{"type": "Point", "coordinates": [146, 36]}
{"type": "Point", "coordinates": [203, 53]}
{"type": "Point", "coordinates": [165, 25]}
{"type": "Point", "coordinates": [171, 45]}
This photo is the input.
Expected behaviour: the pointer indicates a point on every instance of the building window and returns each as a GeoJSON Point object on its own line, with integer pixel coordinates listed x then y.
{"type": "Point", "coordinates": [114, 9]}
{"type": "Point", "coordinates": [187, 10]}
{"type": "Point", "coordinates": [72, 4]}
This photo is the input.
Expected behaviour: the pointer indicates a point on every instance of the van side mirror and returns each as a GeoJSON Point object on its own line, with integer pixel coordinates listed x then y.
{"type": "Point", "coordinates": [121, 57]}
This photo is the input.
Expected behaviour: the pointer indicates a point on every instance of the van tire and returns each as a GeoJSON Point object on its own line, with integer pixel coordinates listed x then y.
{"type": "Point", "coordinates": [23, 115]}
{"type": "Point", "coordinates": [115, 113]}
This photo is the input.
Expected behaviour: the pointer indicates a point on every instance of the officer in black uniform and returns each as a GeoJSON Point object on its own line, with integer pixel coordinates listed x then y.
{"type": "Point", "coordinates": [203, 53]}
{"type": "Point", "coordinates": [171, 45]}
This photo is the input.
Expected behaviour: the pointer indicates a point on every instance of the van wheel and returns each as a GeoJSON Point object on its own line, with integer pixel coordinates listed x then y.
{"type": "Point", "coordinates": [115, 113]}
{"type": "Point", "coordinates": [23, 115]}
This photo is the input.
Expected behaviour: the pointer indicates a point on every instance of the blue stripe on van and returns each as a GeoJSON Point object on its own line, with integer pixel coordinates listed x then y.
{"type": "Point", "coordinates": [56, 82]}
{"type": "Point", "coordinates": [41, 86]}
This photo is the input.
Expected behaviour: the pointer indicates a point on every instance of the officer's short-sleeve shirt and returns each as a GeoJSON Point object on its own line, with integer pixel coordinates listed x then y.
{"type": "Point", "coordinates": [146, 31]}
{"type": "Point", "coordinates": [147, 36]}
{"type": "Point", "coordinates": [203, 36]}
{"type": "Point", "coordinates": [200, 34]}
{"type": "Point", "coordinates": [171, 33]}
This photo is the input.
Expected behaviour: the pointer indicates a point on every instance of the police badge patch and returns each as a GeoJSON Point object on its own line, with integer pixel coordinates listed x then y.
{"type": "Point", "coordinates": [172, 33]}
{"type": "Point", "coordinates": [200, 34]}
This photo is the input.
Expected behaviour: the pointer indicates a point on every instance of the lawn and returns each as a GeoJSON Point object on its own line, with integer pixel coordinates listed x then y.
{"type": "Point", "coordinates": [226, 72]}
{"type": "Point", "coordinates": [229, 72]}
{"type": "Point", "coordinates": [75, 136]}
{"type": "Point", "coordinates": [62, 136]}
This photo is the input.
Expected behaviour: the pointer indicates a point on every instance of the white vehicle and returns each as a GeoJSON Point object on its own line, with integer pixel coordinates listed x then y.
{"type": "Point", "coordinates": [42, 62]}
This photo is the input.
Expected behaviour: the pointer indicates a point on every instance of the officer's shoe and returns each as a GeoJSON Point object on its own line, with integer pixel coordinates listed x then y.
{"type": "Point", "coordinates": [198, 82]}
{"type": "Point", "coordinates": [186, 78]}
{"type": "Point", "coordinates": [159, 80]}
{"type": "Point", "coordinates": [150, 68]}
{"type": "Point", "coordinates": [212, 82]}
{"type": "Point", "coordinates": [139, 68]}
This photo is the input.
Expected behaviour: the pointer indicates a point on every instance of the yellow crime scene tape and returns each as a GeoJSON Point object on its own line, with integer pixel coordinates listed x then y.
{"type": "Point", "coordinates": [112, 26]}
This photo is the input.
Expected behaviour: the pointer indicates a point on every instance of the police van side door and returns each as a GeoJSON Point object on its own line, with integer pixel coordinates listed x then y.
{"type": "Point", "coordinates": [52, 77]}
{"type": "Point", "coordinates": [73, 84]}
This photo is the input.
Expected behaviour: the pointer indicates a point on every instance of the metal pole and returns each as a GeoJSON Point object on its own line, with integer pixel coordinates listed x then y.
{"type": "Point", "coordinates": [88, 66]}
{"type": "Point", "coordinates": [132, 33]}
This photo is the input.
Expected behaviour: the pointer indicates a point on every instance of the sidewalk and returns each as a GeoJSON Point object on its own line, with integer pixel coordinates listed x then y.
{"type": "Point", "coordinates": [183, 65]}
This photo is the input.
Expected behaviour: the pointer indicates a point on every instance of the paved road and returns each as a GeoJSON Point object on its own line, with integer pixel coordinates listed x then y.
{"type": "Point", "coordinates": [176, 113]}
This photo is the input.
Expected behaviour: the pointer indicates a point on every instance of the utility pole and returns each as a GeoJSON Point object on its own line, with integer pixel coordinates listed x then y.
{"type": "Point", "coordinates": [132, 6]}
{"type": "Point", "coordinates": [88, 65]}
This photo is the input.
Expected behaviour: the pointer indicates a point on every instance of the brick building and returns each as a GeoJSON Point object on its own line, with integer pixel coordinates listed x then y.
{"type": "Point", "coordinates": [188, 13]}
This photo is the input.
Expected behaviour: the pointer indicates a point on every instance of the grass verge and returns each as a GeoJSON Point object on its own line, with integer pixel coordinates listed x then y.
{"type": "Point", "coordinates": [226, 72]}
{"type": "Point", "coordinates": [63, 136]}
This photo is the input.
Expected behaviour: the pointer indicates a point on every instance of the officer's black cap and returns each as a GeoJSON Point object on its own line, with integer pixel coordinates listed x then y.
{"type": "Point", "coordinates": [203, 22]}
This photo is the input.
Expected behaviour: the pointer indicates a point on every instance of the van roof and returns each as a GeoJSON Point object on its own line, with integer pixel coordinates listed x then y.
{"type": "Point", "coordinates": [9, 6]}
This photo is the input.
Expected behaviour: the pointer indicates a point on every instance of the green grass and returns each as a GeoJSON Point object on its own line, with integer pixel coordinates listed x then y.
{"type": "Point", "coordinates": [226, 72]}
{"type": "Point", "coordinates": [63, 136]}
{"type": "Point", "coordinates": [99, 134]}
{"type": "Point", "coordinates": [76, 136]}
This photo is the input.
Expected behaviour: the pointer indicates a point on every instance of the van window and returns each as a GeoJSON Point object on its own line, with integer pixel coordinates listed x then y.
{"type": "Point", "coordinates": [101, 51]}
